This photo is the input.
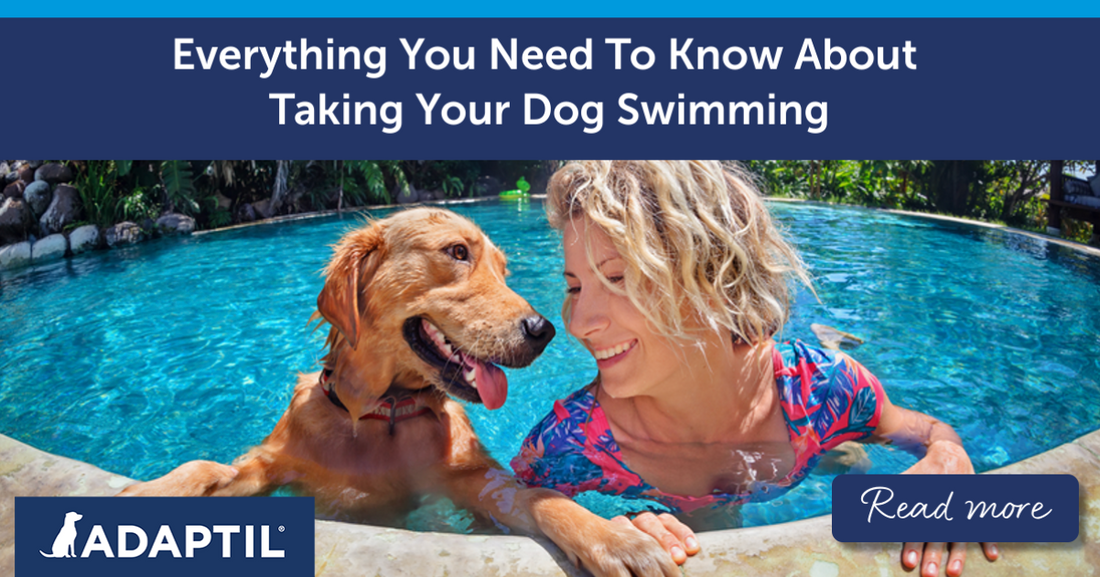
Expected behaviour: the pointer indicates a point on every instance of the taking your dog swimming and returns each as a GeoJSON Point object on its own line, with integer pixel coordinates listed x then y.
{"type": "Point", "coordinates": [324, 109]}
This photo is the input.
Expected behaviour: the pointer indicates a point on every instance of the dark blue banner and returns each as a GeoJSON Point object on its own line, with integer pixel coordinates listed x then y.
{"type": "Point", "coordinates": [955, 508]}
{"type": "Point", "coordinates": [551, 88]}
{"type": "Point", "coordinates": [163, 536]}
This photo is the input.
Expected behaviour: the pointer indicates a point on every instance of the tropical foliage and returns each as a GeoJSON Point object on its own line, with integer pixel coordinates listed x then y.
{"type": "Point", "coordinates": [1007, 191]}
{"type": "Point", "coordinates": [220, 192]}
{"type": "Point", "coordinates": [97, 186]}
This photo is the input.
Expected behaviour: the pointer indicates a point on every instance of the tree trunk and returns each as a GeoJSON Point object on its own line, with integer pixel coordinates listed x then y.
{"type": "Point", "coordinates": [278, 195]}
{"type": "Point", "coordinates": [815, 190]}
{"type": "Point", "coordinates": [1054, 213]}
{"type": "Point", "coordinates": [340, 190]}
{"type": "Point", "coordinates": [951, 181]}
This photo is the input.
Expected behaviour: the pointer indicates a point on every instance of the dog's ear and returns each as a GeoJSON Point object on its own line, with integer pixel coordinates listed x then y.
{"type": "Point", "coordinates": [354, 261]}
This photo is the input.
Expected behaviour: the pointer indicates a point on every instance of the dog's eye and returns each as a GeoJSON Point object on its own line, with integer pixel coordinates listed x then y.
{"type": "Point", "coordinates": [459, 252]}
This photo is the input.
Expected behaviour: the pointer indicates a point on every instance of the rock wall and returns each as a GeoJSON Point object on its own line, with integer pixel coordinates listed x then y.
{"type": "Point", "coordinates": [39, 206]}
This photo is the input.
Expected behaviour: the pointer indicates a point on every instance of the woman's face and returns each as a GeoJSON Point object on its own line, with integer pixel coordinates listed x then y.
{"type": "Point", "coordinates": [633, 359]}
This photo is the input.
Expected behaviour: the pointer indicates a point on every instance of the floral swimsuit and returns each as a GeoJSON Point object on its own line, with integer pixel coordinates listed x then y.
{"type": "Point", "coordinates": [826, 399]}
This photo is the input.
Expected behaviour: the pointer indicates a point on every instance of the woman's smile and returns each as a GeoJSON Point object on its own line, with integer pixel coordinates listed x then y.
{"type": "Point", "coordinates": [611, 355]}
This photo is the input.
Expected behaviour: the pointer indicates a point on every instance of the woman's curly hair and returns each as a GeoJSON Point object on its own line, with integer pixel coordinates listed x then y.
{"type": "Point", "coordinates": [696, 238]}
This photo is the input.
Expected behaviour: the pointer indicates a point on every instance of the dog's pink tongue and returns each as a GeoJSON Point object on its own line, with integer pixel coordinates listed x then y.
{"type": "Point", "coordinates": [492, 385]}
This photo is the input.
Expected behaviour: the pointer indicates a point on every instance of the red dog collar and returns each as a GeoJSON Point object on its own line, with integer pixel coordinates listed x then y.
{"type": "Point", "coordinates": [392, 408]}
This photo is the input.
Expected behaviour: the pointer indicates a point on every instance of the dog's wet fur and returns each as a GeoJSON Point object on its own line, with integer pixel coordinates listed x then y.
{"type": "Point", "coordinates": [417, 306]}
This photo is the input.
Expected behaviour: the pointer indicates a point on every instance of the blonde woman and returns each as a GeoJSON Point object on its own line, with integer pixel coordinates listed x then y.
{"type": "Point", "coordinates": [677, 283]}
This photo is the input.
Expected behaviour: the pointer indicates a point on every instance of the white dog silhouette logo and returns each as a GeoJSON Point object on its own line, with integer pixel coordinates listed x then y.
{"type": "Point", "coordinates": [64, 545]}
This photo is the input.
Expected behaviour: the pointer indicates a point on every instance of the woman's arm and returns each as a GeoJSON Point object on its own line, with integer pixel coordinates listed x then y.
{"type": "Point", "coordinates": [940, 451]}
{"type": "Point", "coordinates": [931, 440]}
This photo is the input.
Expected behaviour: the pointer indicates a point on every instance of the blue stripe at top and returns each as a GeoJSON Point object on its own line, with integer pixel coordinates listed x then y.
{"type": "Point", "coordinates": [559, 9]}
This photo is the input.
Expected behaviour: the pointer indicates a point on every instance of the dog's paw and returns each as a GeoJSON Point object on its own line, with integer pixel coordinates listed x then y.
{"type": "Point", "coordinates": [192, 479]}
{"type": "Point", "coordinates": [610, 549]}
{"type": "Point", "coordinates": [135, 490]}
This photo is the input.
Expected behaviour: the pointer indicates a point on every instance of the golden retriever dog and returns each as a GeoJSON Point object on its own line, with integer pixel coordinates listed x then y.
{"type": "Point", "coordinates": [419, 313]}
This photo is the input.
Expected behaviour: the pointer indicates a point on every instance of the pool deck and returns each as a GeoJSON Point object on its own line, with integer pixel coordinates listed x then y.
{"type": "Point", "coordinates": [798, 548]}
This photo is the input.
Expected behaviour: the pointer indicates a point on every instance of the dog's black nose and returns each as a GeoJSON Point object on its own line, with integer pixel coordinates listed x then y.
{"type": "Point", "coordinates": [538, 331]}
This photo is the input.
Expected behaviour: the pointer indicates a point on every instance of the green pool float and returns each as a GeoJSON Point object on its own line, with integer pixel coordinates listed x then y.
{"type": "Point", "coordinates": [520, 192]}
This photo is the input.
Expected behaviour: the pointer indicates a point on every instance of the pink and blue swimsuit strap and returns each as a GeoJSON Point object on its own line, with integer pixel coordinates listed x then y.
{"type": "Point", "coordinates": [826, 399]}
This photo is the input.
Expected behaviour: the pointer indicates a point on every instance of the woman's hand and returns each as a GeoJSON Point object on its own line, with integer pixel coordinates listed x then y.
{"type": "Point", "coordinates": [929, 555]}
{"type": "Point", "coordinates": [942, 457]}
{"type": "Point", "coordinates": [674, 536]}
{"type": "Point", "coordinates": [940, 452]}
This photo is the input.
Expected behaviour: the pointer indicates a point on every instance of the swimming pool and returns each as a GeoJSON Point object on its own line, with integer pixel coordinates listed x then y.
{"type": "Point", "coordinates": [138, 359]}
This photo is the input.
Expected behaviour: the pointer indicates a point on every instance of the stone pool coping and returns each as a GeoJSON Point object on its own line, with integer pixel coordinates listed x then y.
{"type": "Point", "coordinates": [798, 548]}
{"type": "Point", "coordinates": [360, 210]}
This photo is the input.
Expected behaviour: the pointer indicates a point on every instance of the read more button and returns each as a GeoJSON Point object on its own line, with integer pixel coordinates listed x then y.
{"type": "Point", "coordinates": [955, 508]}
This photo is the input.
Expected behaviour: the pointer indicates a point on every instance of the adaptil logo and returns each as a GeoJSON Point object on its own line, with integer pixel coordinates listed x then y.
{"type": "Point", "coordinates": [133, 541]}
{"type": "Point", "coordinates": [63, 545]}
{"type": "Point", "coordinates": [163, 536]}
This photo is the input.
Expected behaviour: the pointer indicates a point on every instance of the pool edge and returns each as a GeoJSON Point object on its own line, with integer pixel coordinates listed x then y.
{"type": "Point", "coordinates": [353, 211]}
{"type": "Point", "coordinates": [1070, 244]}
{"type": "Point", "coordinates": [797, 548]}
{"type": "Point", "coordinates": [360, 211]}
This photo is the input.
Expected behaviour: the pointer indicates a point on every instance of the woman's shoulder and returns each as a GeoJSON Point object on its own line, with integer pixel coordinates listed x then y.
{"type": "Point", "coordinates": [799, 359]}
{"type": "Point", "coordinates": [830, 390]}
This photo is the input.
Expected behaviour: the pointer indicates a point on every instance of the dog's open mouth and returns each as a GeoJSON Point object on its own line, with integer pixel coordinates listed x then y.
{"type": "Point", "coordinates": [462, 375]}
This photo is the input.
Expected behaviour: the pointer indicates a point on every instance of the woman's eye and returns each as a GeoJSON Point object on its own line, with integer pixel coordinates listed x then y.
{"type": "Point", "coordinates": [459, 252]}
{"type": "Point", "coordinates": [573, 290]}
{"type": "Point", "coordinates": [615, 279]}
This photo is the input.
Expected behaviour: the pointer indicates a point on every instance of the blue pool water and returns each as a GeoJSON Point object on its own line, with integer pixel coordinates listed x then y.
{"type": "Point", "coordinates": [139, 359]}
